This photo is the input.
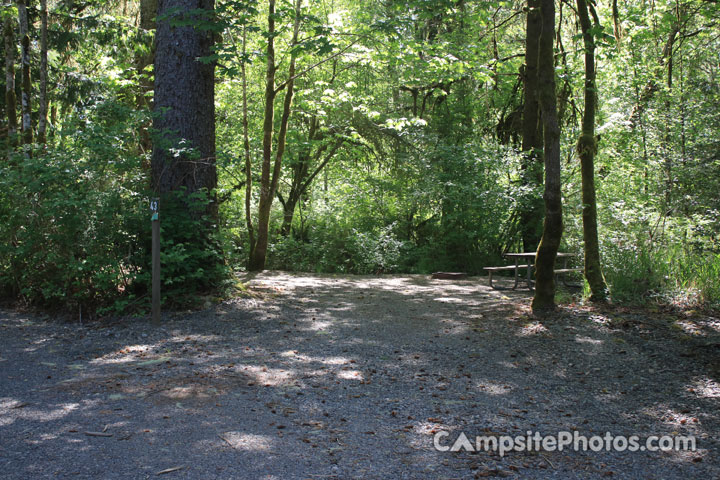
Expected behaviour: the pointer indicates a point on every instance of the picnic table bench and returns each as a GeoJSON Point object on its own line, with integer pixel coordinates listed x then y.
{"type": "Point", "coordinates": [528, 259]}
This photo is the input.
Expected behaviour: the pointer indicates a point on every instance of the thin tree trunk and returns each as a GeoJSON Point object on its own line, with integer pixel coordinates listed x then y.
{"type": "Point", "coordinates": [257, 258]}
{"type": "Point", "coordinates": [617, 27]}
{"type": "Point", "coordinates": [246, 145]}
{"type": "Point", "coordinates": [586, 148]}
{"type": "Point", "coordinates": [144, 59]}
{"type": "Point", "coordinates": [42, 99]}
{"type": "Point", "coordinates": [268, 179]}
{"type": "Point", "coordinates": [53, 118]}
{"type": "Point", "coordinates": [301, 183]}
{"type": "Point", "coordinates": [544, 299]}
{"type": "Point", "coordinates": [10, 101]}
{"type": "Point", "coordinates": [26, 109]}
{"type": "Point", "coordinates": [531, 210]}
{"type": "Point", "coordinates": [669, 151]}
{"type": "Point", "coordinates": [299, 171]}
{"type": "Point", "coordinates": [288, 214]}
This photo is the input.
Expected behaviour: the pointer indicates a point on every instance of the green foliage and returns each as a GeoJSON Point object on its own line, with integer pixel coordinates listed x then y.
{"type": "Point", "coordinates": [415, 217]}
{"type": "Point", "coordinates": [423, 100]}
{"type": "Point", "coordinates": [73, 216]}
{"type": "Point", "coordinates": [190, 248]}
{"type": "Point", "coordinates": [633, 275]}
{"type": "Point", "coordinates": [674, 276]}
{"type": "Point", "coordinates": [334, 249]}
{"type": "Point", "coordinates": [76, 223]}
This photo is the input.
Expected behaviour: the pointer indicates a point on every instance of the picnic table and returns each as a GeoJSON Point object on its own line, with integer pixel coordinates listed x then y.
{"type": "Point", "coordinates": [528, 263]}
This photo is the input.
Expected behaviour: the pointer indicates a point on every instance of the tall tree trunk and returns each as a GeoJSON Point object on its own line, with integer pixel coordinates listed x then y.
{"type": "Point", "coordinates": [26, 109]}
{"type": "Point", "coordinates": [586, 148]}
{"type": "Point", "coordinates": [269, 179]}
{"type": "Point", "coordinates": [184, 102]}
{"type": "Point", "coordinates": [148, 14]}
{"type": "Point", "coordinates": [617, 26]}
{"type": "Point", "coordinates": [10, 101]}
{"type": "Point", "coordinates": [257, 258]}
{"type": "Point", "coordinates": [246, 147]}
{"type": "Point", "coordinates": [144, 59]}
{"type": "Point", "coordinates": [42, 98]}
{"type": "Point", "coordinates": [669, 151]}
{"type": "Point", "coordinates": [531, 209]}
{"type": "Point", "coordinates": [544, 298]}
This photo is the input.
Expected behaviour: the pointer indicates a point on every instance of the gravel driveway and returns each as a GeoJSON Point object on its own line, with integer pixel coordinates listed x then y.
{"type": "Point", "coordinates": [323, 377]}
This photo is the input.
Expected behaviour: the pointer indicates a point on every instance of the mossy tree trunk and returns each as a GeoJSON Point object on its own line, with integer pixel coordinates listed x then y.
{"type": "Point", "coordinates": [531, 209]}
{"type": "Point", "coordinates": [25, 105]}
{"type": "Point", "coordinates": [246, 148]}
{"type": "Point", "coordinates": [43, 95]}
{"type": "Point", "coordinates": [270, 173]}
{"type": "Point", "coordinates": [10, 100]}
{"type": "Point", "coordinates": [144, 58]}
{"type": "Point", "coordinates": [544, 299]}
{"type": "Point", "coordinates": [586, 149]}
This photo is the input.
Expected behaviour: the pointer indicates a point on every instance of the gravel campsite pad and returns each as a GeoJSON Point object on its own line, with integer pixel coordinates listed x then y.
{"type": "Point", "coordinates": [321, 377]}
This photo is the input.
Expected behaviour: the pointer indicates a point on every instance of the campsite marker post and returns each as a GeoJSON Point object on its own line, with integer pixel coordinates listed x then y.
{"type": "Point", "coordinates": [155, 220]}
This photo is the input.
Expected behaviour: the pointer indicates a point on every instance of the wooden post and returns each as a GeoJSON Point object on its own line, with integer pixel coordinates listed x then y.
{"type": "Point", "coordinates": [155, 219]}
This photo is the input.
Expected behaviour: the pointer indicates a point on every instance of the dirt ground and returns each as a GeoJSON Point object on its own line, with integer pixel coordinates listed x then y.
{"type": "Point", "coordinates": [322, 377]}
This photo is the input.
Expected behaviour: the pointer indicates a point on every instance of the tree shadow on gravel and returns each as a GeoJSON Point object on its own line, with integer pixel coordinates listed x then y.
{"type": "Point", "coordinates": [347, 377]}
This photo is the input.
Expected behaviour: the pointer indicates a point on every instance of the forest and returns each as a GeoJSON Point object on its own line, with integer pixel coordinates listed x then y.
{"type": "Point", "coordinates": [255, 239]}
{"type": "Point", "coordinates": [370, 137]}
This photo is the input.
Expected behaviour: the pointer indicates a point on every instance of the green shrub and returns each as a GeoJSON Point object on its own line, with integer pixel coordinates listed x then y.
{"type": "Point", "coordinates": [75, 227]}
{"type": "Point", "coordinates": [191, 254]}
{"type": "Point", "coordinates": [676, 275]}
{"type": "Point", "coordinates": [73, 217]}
{"type": "Point", "coordinates": [336, 250]}
{"type": "Point", "coordinates": [633, 274]}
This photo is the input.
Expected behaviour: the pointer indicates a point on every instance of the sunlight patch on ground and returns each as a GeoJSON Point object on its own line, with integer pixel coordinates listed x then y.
{"type": "Point", "coordinates": [600, 319]}
{"type": "Point", "coordinates": [248, 441]}
{"type": "Point", "coordinates": [8, 416]}
{"type": "Point", "coordinates": [195, 338]}
{"type": "Point", "coordinates": [317, 325]}
{"type": "Point", "coordinates": [43, 438]}
{"type": "Point", "coordinates": [534, 328]}
{"type": "Point", "coordinates": [588, 340]}
{"type": "Point", "coordinates": [690, 327]}
{"type": "Point", "coordinates": [676, 419]}
{"type": "Point", "coordinates": [417, 285]}
{"type": "Point", "coordinates": [144, 352]}
{"type": "Point", "coordinates": [705, 387]}
{"type": "Point", "coordinates": [7, 403]}
{"type": "Point", "coordinates": [493, 388]}
{"type": "Point", "coordinates": [350, 375]}
{"type": "Point", "coordinates": [454, 327]}
{"type": "Point", "coordinates": [449, 299]}
{"type": "Point", "coordinates": [37, 344]}
{"type": "Point", "coordinates": [430, 427]}
{"type": "Point", "coordinates": [679, 423]}
{"type": "Point", "coordinates": [310, 359]}
{"type": "Point", "coordinates": [267, 376]}
{"type": "Point", "coordinates": [126, 354]}
{"type": "Point", "coordinates": [189, 391]}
